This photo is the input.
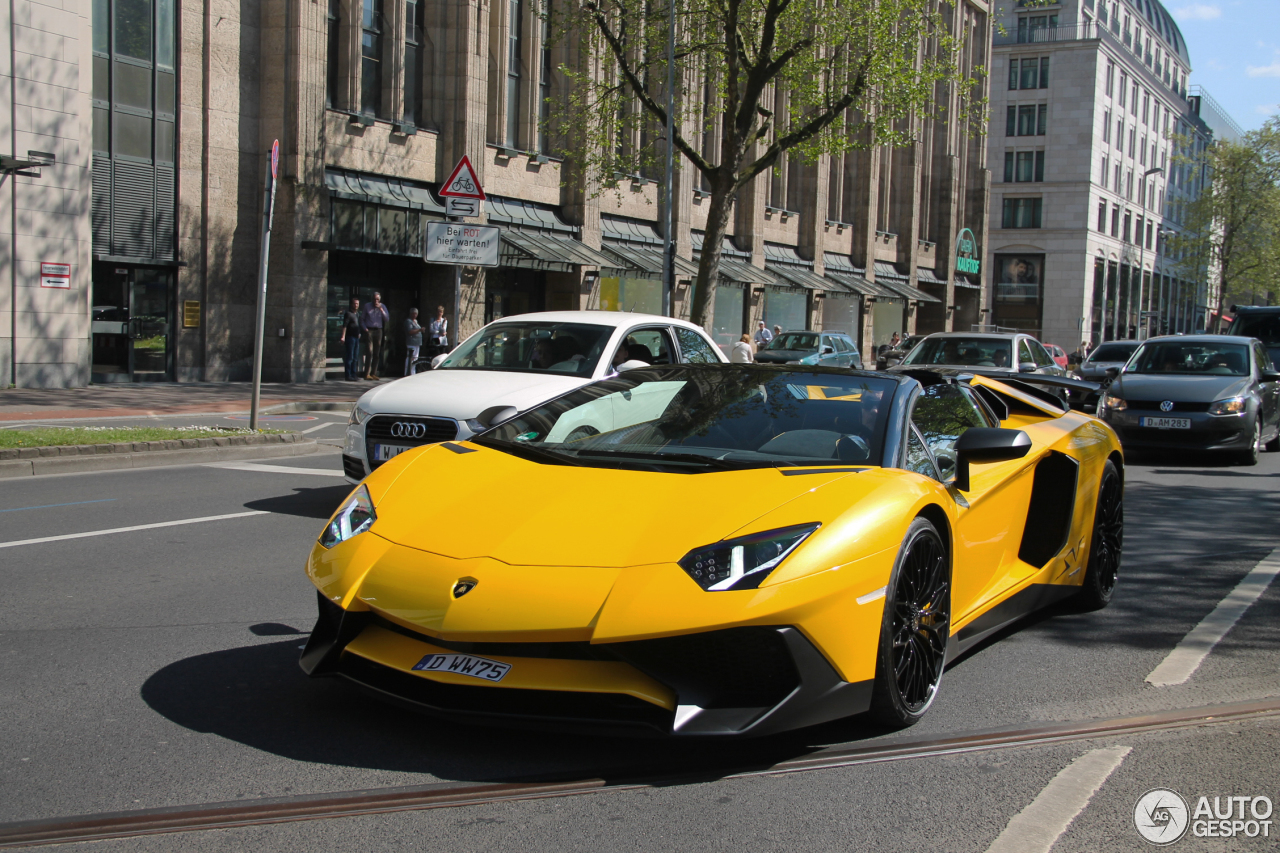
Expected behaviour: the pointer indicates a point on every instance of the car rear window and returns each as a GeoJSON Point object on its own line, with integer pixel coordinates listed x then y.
{"type": "Point", "coordinates": [1113, 352]}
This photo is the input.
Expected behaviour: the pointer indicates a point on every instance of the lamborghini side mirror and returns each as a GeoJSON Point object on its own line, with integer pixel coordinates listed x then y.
{"type": "Point", "coordinates": [987, 444]}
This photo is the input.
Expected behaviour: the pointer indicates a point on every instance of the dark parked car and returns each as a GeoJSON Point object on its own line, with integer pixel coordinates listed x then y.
{"type": "Point", "coordinates": [890, 356]}
{"type": "Point", "coordinates": [1261, 322]}
{"type": "Point", "coordinates": [985, 353]}
{"type": "Point", "coordinates": [1105, 357]}
{"type": "Point", "coordinates": [1197, 392]}
{"type": "Point", "coordinates": [827, 349]}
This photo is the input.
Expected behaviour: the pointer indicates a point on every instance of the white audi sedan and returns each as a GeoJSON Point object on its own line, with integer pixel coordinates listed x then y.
{"type": "Point", "coordinates": [511, 365]}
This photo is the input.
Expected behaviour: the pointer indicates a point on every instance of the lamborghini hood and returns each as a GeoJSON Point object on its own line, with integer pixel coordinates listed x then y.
{"type": "Point", "coordinates": [489, 504]}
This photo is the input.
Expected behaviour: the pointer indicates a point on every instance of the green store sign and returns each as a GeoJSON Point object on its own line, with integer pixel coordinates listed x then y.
{"type": "Point", "coordinates": [967, 253]}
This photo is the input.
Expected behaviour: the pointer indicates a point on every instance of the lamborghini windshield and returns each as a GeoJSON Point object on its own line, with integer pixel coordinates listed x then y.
{"type": "Point", "coordinates": [702, 418]}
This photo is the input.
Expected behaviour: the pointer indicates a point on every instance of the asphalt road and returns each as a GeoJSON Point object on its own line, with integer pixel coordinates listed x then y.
{"type": "Point", "coordinates": [157, 667]}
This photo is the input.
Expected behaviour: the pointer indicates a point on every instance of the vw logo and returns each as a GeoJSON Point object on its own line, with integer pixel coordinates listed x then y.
{"type": "Point", "coordinates": [464, 586]}
{"type": "Point", "coordinates": [1166, 406]}
{"type": "Point", "coordinates": [408, 429]}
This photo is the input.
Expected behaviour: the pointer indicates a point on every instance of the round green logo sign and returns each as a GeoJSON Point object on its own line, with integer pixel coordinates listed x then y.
{"type": "Point", "coordinates": [967, 253]}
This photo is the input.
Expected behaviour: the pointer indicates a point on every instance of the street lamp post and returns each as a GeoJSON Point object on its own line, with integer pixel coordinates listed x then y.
{"type": "Point", "coordinates": [1163, 234]}
{"type": "Point", "coordinates": [1142, 245]}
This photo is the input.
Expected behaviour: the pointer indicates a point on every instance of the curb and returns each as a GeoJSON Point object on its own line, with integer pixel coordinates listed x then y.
{"type": "Point", "coordinates": [317, 406]}
{"type": "Point", "coordinates": [76, 463]}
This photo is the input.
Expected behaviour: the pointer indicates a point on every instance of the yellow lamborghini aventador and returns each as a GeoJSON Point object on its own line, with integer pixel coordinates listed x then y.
{"type": "Point", "coordinates": [716, 549]}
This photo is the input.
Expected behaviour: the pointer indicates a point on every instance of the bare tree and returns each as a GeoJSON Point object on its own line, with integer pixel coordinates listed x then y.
{"type": "Point", "coordinates": [762, 78]}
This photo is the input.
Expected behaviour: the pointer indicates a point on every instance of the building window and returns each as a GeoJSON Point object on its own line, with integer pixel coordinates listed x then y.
{"type": "Point", "coordinates": [414, 38]}
{"type": "Point", "coordinates": [371, 58]}
{"type": "Point", "coordinates": [1023, 166]}
{"type": "Point", "coordinates": [1124, 86]}
{"type": "Point", "coordinates": [1111, 66]}
{"type": "Point", "coordinates": [1146, 106]}
{"type": "Point", "coordinates": [1034, 28]}
{"type": "Point", "coordinates": [1128, 222]}
{"type": "Point", "coordinates": [1021, 213]}
{"type": "Point", "coordinates": [1133, 101]}
{"type": "Point", "coordinates": [1011, 121]}
{"type": "Point", "coordinates": [1133, 135]}
{"type": "Point", "coordinates": [515, 39]}
{"type": "Point", "coordinates": [544, 85]}
{"type": "Point", "coordinates": [1029, 73]}
{"type": "Point", "coordinates": [1117, 178]}
{"type": "Point", "coordinates": [1102, 217]}
{"type": "Point", "coordinates": [1027, 120]}
{"type": "Point", "coordinates": [1115, 220]}
{"type": "Point", "coordinates": [1106, 170]}
{"type": "Point", "coordinates": [1106, 127]}
{"type": "Point", "coordinates": [331, 60]}
{"type": "Point", "coordinates": [1142, 152]}
{"type": "Point", "coordinates": [1128, 185]}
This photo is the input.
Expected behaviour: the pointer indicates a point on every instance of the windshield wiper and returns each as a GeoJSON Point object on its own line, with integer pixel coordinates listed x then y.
{"type": "Point", "coordinates": [662, 458]}
{"type": "Point", "coordinates": [526, 451]}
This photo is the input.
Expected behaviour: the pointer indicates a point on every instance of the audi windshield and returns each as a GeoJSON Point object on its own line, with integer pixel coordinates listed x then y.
{"type": "Point", "coordinates": [571, 349]}
{"type": "Point", "coordinates": [693, 419]}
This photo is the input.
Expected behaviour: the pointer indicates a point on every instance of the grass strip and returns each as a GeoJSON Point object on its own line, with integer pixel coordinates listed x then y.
{"type": "Point", "coordinates": [61, 436]}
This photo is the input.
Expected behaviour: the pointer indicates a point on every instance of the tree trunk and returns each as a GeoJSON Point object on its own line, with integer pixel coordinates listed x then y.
{"type": "Point", "coordinates": [704, 287]}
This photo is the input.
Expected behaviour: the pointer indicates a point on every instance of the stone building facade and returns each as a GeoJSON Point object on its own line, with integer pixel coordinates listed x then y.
{"type": "Point", "coordinates": [373, 102]}
{"type": "Point", "coordinates": [1090, 110]}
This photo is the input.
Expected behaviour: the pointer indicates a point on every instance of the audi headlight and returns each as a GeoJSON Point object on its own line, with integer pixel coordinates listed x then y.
{"type": "Point", "coordinates": [355, 516]}
{"type": "Point", "coordinates": [1114, 403]}
{"type": "Point", "coordinates": [359, 414]}
{"type": "Point", "coordinates": [743, 563]}
{"type": "Point", "coordinates": [1229, 406]}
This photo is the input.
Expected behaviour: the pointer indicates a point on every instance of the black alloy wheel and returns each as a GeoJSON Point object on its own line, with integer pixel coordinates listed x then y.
{"type": "Point", "coordinates": [1107, 544]}
{"type": "Point", "coordinates": [915, 628]}
{"type": "Point", "coordinates": [1250, 456]}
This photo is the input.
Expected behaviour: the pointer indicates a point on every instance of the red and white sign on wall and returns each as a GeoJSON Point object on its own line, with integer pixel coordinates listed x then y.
{"type": "Point", "coordinates": [55, 275]}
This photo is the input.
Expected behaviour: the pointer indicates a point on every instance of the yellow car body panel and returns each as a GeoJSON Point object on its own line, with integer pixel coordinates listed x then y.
{"type": "Point", "coordinates": [582, 555]}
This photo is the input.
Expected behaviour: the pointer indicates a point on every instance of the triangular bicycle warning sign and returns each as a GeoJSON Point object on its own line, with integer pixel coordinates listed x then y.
{"type": "Point", "coordinates": [463, 182]}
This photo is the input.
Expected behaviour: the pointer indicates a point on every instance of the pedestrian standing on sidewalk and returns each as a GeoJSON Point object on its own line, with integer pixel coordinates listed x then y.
{"type": "Point", "coordinates": [439, 333]}
{"type": "Point", "coordinates": [412, 341]}
{"type": "Point", "coordinates": [350, 339]}
{"type": "Point", "coordinates": [763, 335]}
{"type": "Point", "coordinates": [374, 317]}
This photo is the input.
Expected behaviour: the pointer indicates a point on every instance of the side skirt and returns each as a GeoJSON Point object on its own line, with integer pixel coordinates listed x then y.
{"type": "Point", "coordinates": [1020, 604]}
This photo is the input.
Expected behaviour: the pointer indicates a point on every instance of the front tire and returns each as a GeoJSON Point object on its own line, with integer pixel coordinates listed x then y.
{"type": "Point", "coordinates": [1250, 456]}
{"type": "Point", "coordinates": [914, 629]}
{"type": "Point", "coordinates": [1107, 544]}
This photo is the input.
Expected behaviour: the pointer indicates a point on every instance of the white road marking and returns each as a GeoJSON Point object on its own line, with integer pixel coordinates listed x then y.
{"type": "Point", "coordinates": [321, 426]}
{"type": "Point", "coordinates": [1187, 656]}
{"type": "Point", "coordinates": [1037, 828]}
{"type": "Point", "coordinates": [274, 469]}
{"type": "Point", "coordinates": [133, 528]}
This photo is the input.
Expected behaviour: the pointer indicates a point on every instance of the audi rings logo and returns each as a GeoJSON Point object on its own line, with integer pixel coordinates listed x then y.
{"type": "Point", "coordinates": [408, 429]}
{"type": "Point", "coordinates": [1166, 406]}
{"type": "Point", "coordinates": [1161, 816]}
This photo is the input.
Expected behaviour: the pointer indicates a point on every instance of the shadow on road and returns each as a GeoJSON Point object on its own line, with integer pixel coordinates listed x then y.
{"type": "Point", "coordinates": [307, 503]}
{"type": "Point", "coordinates": [257, 696]}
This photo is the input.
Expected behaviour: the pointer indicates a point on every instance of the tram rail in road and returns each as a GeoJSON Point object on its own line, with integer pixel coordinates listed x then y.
{"type": "Point", "coordinates": [97, 827]}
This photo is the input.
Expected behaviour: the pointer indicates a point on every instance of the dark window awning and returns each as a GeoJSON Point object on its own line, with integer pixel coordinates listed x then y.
{"type": "Point", "coordinates": [377, 189]}
{"type": "Point", "coordinates": [908, 290]}
{"type": "Point", "coordinates": [801, 277]}
{"type": "Point", "coordinates": [858, 284]}
{"type": "Point", "coordinates": [927, 275]}
{"type": "Point", "coordinates": [961, 281]}
{"type": "Point", "coordinates": [733, 269]}
{"type": "Point", "coordinates": [526, 215]}
{"type": "Point", "coordinates": [645, 259]}
{"type": "Point", "coordinates": [538, 251]}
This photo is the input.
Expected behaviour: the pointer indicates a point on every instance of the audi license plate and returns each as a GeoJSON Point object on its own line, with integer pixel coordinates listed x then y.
{"type": "Point", "coordinates": [383, 452]}
{"type": "Point", "coordinates": [1166, 423]}
{"type": "Point", "coordinates": [482, 668]}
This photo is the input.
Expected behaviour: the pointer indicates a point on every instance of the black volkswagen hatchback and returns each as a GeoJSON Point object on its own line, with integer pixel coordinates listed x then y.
{"type": "Point", "coordinates": [1201, 392]}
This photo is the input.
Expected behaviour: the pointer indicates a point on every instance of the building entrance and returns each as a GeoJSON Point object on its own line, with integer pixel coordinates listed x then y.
{"type": "Point", "coordinates": [132, 324]}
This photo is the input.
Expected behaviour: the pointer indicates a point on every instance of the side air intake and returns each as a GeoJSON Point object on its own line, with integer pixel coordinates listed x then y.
{"type": "Point", "coordinates": [1053, 498]}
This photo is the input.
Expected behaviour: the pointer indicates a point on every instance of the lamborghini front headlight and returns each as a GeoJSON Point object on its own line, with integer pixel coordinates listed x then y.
{"type": "Point", "coordinates": [355, 516]}
{"type": "Point", "coordinates": [745, 562]}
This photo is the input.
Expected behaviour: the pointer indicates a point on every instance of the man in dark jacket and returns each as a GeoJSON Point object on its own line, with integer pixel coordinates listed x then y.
{"type": "Point", "coordinates": [374, 317]}
{"type": "Point", "coordinates": [350, 338]}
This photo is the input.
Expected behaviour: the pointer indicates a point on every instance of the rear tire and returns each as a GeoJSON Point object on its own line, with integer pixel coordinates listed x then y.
{"type": "Point", "coordinates": [914, 630]}
{"type": "Point", "coordinates": [1107, 544]}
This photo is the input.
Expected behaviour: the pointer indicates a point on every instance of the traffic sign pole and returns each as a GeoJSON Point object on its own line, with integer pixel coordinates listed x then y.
{"type": "Point", "coordinates": [462, 183]}
{"type": "Point", "coordinates": [268, 213]}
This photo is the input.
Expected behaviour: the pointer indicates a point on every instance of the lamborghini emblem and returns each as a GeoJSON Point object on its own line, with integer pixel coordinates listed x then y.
{"type": "Point", "coordinates": [464, 586]}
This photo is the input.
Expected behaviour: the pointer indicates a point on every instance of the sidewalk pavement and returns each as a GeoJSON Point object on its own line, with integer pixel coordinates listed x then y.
{"type": "Point", "coordinates": [145, 399]}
